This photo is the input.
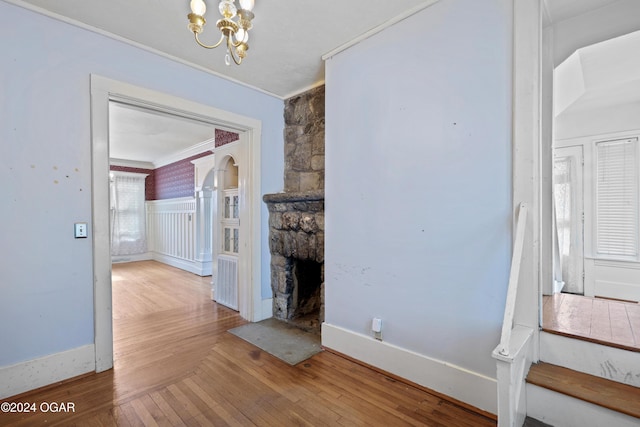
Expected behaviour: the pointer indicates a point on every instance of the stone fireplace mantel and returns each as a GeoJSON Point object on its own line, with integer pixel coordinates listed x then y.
{"type": "Point", "coordinates": [294, 196]}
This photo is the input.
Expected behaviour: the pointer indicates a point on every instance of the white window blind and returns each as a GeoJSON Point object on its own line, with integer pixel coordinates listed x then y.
{"type": "Point", "coordinates": [617, 198]}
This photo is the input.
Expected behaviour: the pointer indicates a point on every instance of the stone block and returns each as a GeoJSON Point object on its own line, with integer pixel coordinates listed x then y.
{"type": "Point", "coordinates": [291, 181]}
{"type": "Point", "coordinates": [302, 245]}
{"type": "Point", "coordinates": [275, 220]}
{"type": "Point", "coordinates": [317, 143]}
{"type": "Point", "coordinates": [300, 158]}
{"type": "Point", "coordinates": [291, 133]}
{"type": "Point", "coordinates": [278, 261]}
{"type": "Point", "coordinates": [291, 220]}
{"type": "Point", "coordinates": [310, 181]}
{"type": "Point", "coordinates": [317, 162]}
{"type": "Point", "coordinates": [315, 206]}
{"type": "Point", "coordinates": [284, 284]}
{"type": "Point", "coordinates": [281, 306]}
{"type": "Point", "coordinates": [308, 223]}
{"type": "Point", "coordinates": [320, 220]}
{"type": "Point", "coordinates": [312, 245]}
{"type": "Point", "coordinates": [289, 245]}
{"type": "Point", "coordinates": [276, 244]}
{"type": "Point", "coordinates": [320, 247]}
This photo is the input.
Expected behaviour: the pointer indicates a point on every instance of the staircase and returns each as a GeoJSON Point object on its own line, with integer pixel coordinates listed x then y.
{"type": "Point", "coordinates": [582, 383]}
{"type": "Point", "coordinates": [563, 379]}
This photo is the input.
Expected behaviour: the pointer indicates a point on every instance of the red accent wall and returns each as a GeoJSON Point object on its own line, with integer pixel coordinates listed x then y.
{"type": "Point", "coordinates": [176, 179]}
{"type": "Point", "coordinates": [224, 137]}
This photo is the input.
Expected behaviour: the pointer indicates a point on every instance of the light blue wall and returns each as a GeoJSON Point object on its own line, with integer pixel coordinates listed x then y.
{"type": "Point", "coordinates": [46, 286]}
{"type": "Point", "coordinates": [418, 182]}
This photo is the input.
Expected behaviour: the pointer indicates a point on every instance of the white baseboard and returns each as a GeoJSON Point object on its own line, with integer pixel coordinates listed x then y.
{"type": "Point", "coordinates": [454, 381]}
{"type": "Point", "coordinates": [195, 267]}
{"type": "Point", "coordinates": [35, 373]}
{"type": "Point", "coordinates": [131, 258]}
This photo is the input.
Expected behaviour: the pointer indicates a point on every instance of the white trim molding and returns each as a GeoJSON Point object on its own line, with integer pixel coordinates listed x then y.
{"type": "Point", "coordinates": [457, 382]}
{"type": "Point", "coordinates": [102, 91]}
{"type": "Point", "coordinates": [131, 164]}
{"type": "Point", "coordinates": [390, 22]}
{"type": "Point", "coordinates": [208, 145]}
{"type": "Point", "coordinates": [32, 374]}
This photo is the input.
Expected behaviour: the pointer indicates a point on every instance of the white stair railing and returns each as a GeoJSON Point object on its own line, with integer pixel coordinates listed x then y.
{"type": "Point", "coordinates": [512, 289]}
{"type": "Point", "coordinates": [514, 352]}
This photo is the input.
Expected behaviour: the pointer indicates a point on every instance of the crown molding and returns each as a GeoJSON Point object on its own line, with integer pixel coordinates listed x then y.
{"type": "Point", "coordinates": [379, 28]}
{"type": "Point", "coordinates": [208, 145]}
{"type": "Point", "coordinates": [131, 164]}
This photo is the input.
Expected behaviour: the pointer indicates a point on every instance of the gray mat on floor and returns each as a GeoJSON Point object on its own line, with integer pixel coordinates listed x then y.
{"type": "Point", "coordinates": [278, 338]}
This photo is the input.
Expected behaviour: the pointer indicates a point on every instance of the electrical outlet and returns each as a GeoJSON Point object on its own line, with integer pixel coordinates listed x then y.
{"type": "Point", "coordinates": [376, 324]}
{"type": "Point", "coordinates": [376, 328]}
{"type": "Point", "coordinates": [80, 230]}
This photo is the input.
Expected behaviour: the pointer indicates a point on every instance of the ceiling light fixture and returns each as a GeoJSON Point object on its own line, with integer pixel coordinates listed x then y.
{"type": "Point", "coordinates": [236, 33]}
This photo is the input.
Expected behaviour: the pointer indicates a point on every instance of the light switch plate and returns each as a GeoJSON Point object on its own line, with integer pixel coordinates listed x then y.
{"type": "Point", "coordinates": [80, 230]}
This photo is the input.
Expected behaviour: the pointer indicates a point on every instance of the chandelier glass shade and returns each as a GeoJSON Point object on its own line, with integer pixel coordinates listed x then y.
{"type": "Point", "coordinates": [234, 26]}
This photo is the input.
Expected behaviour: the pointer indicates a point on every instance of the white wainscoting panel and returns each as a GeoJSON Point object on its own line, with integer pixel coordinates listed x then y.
{"type": "Point", "coordinates": [171, 228]}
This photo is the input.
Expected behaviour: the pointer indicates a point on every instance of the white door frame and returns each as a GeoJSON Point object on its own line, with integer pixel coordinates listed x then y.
{"type": "Point", "coordinates": [102, 91]}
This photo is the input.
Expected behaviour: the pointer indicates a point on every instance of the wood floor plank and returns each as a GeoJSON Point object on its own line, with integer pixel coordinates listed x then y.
{"type": "Point", "coordinates": [599, 320]}
{"type": "Point", "coordinates": [633, 313]}
{"type": "Point", "coordinates": [176, 364]}
{"type": "Point", "coordinates": [167, 411]}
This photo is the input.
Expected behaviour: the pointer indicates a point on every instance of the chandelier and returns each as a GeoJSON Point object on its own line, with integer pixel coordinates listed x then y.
{"type": "Point", "coordinates": [235, 32]}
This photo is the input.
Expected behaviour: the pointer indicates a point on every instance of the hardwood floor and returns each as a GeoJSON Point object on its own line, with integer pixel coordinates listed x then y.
{"type": "Point", "coordinates": [175, 365]}
{"type": "Point", "coordinates": [608, 322]}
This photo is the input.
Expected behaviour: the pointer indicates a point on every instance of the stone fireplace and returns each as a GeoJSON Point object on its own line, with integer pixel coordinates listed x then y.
{"type": "Point", "coordinates": [296, 243]}
{"type": "Point", "coordinates": [296, 216]}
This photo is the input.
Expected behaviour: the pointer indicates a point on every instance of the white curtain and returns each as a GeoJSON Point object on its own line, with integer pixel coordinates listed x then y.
{"type": "Point", "coordinates": [567, 221]}
{"type": "Point", "coordinates": [128, 225]}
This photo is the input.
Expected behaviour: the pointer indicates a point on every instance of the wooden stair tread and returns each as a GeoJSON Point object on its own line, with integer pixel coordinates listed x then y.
{"type": "Point", "coordinates": [609, 394]}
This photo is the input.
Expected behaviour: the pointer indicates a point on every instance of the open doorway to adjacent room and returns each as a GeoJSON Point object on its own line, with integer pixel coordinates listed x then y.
{"type": "Point", "coordinates": [596, 192]}
{"type": "Point", "coordinates": [192, 216]}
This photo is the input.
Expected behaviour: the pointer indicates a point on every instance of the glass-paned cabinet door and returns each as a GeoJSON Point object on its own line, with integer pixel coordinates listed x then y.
{"type": "Point", "coordinates": [234, 199]}
{"type": "Point", "coordinates": [231, 222]}
{"type": "Point", "coordinates": [230, 243]}
{"type": "Point", "coordinates": [231, 210]}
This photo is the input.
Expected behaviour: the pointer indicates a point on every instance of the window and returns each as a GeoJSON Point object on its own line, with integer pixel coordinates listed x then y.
{"type": "Point", "coordinates": [617, 199]}
{"type": "Point", "coordinates": [128, 225]}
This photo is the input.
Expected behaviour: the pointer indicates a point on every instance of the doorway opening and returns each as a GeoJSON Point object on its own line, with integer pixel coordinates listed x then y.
{"type": "Point", "coordinates": [102, 92]}
{"type": "Point", "coordinates": [596, 263]}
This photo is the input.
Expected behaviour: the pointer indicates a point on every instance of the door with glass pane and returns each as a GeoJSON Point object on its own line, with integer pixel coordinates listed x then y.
{"type": "Point", "coordinates": [226, 290]}
{"type": "Point", "coordinates": [569, 218]}
{"type": "Point", "coordinates": [230, 222]}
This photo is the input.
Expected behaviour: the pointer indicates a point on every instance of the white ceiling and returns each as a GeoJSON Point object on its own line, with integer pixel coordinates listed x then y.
{"type": "Point", "coordinates": [142, 135]}
{"type": "Point", "coordinates": [559, 10]}
{"type": "Point", "coordinates": [287, 43]}
{"type": "Point", "coordinates": [598, 76]}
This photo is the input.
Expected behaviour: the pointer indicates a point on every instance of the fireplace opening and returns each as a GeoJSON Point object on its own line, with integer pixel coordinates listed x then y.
{"type": "Point", "coordinates": [306, 280]}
